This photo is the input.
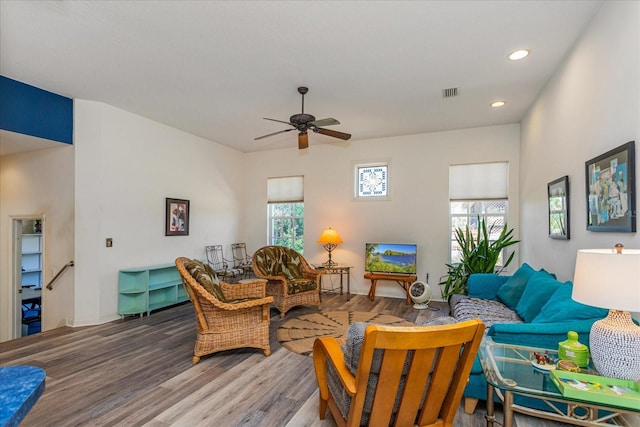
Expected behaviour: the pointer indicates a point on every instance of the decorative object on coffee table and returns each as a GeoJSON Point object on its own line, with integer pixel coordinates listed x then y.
{"type": "Point", "coordinates": [573, 350]}
{"type": "Point", "coordinates": [610, 278]}
{"type": "Point", "coordinates": [329, 239]}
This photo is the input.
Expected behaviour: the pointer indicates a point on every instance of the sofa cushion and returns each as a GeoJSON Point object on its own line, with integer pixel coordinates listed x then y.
{"type": "Point", "coordinates": [511, 291]}
{"type": "Point", "coordinates": [485, 285]}
{"type": "Point", "coordinates": [562, 308]}
{"type": "Point", "coordinates": [489, 311]}
{"type": "Point", "coordinates": [205, 276]}
{"type": "Point", "coordinates": [539, 289]}
{"type": "Point", "coordinates": [438, 321]}
{"type": "Point", "coordinates": [295, 286]}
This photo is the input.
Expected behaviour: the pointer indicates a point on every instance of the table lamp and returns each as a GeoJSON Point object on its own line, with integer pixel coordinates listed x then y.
{"type": "Point", "coordinates": [610, 278]}
{"type": "Point", "coordinates": [329, 239]}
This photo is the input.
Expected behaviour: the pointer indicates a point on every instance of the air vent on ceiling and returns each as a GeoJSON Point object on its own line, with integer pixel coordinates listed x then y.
{"type": "Point", "coordinates": [450, 92]}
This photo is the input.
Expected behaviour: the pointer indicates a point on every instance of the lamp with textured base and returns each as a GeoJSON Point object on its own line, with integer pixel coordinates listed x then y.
{"type": "Point", "coordinates": [610, 278]}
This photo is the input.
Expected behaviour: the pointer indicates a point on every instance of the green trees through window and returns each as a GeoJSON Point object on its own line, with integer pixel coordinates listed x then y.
{"type": "Point", "coordinates": [286, 225]}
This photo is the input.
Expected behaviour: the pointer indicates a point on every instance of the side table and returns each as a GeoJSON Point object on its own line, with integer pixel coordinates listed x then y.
{"type": "Point", "coordinates": [342, 271]}
{"type": "Point", "coordinates": [404, 280]}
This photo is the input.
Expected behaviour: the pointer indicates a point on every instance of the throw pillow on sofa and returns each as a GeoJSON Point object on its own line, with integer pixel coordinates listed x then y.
{"type": "Point", "coordinates": [562, 308]}
{"type": "Point", "coordinates": [511, 291]}
{"type": "Point", "coordinates": [539, 289]}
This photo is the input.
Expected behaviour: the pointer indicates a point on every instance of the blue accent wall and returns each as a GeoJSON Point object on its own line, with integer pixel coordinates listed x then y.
{"type": "Point", "coordinates": [32, 111]}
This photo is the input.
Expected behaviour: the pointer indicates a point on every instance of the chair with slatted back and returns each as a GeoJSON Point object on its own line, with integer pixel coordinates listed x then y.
{"type": "Point", "coordinates": [241, 259]}
{"type": "Point", "coordinates": [401, 376]}
{"type": "Point", "coordinates": [220, 265]}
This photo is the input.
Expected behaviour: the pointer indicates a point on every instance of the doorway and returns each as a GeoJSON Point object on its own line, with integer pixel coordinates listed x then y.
{"type": "Point", "coordinates": [28, 257]}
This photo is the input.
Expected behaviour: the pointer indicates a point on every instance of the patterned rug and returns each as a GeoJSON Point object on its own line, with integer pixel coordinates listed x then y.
{"type": "Point", "coordinates": [298, 334]}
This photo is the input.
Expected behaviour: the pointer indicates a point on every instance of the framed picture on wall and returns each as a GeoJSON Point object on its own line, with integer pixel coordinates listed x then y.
{"type": "Point", "coordinates": [558, 197]}
{"type": "Point", "coordinates": [177, 217]}
{"type": "Point", "coordinates": [611, 194]}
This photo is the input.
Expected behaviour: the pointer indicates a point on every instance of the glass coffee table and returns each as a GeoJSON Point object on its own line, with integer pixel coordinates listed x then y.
{"type": "Point", "coordinates": [509, 371]}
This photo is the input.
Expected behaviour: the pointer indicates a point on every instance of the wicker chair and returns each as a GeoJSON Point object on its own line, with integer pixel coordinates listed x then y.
{"type": "Point", "coordinates": [290, 279]}
{"type": "Point", "coordinates": [228, 315]}
{"type": "Point", "coordinates": [391, 375]}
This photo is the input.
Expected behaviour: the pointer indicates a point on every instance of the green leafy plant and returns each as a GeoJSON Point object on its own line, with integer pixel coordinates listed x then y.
{"type": "Point", "coordinates": [477, 255]}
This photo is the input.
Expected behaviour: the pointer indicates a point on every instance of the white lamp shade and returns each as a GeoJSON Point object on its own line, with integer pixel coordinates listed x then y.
{"type": "Point", "coordinates": [604, 278]}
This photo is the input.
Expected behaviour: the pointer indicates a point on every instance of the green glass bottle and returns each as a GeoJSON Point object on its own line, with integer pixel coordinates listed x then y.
{"type": "Point", "coordinates": [573, 350]}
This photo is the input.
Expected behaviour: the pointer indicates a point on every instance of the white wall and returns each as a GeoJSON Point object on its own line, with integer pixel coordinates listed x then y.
{"type": "Point", "coordinates": [39, 183]}
{"type": "Point", "coordinates": [591, 105]}
{"type": "Point", "coordinates": [126, 166]}
{"type": "Point", "coordinates": [417, 212]}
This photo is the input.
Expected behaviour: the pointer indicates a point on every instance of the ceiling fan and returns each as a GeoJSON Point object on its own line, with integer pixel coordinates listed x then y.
{"type": "Point", "coordinates": [303, 122]}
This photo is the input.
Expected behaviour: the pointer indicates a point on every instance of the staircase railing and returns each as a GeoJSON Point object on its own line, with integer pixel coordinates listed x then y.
{"type": "Point", "coordinates": [59, 273]}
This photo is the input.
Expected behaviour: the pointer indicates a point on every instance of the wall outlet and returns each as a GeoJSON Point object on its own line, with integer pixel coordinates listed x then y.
{"type": "Point", "coordinates": [109, 242]}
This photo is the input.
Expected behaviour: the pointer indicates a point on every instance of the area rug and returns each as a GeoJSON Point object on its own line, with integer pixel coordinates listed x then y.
{"type": "Point", "coordinates": [298, 334]}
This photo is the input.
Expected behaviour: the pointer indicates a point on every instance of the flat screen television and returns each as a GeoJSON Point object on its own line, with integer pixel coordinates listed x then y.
{"type": "Point", "coordinates": [391, 258]}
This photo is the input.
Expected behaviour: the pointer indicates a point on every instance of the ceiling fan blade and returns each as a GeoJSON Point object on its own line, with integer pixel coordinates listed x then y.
{"type": "Point", "coordinates": [303, 140]}
{"type": "Point", "coordinates": [279, 121]}
{"type": "Point", "coordinates": [325, 122]}
{"type": "Point", "coordinates": [271, 134]}
{"type": "Point", "coordinates": [333, 133]}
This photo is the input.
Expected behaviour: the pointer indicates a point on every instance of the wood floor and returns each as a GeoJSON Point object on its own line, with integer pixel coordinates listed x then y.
{"type": "Point", "coordinates": [138, 371]}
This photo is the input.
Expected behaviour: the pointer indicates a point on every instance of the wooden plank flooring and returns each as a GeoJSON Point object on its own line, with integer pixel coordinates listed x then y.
{"type": "Point", "coordinates": [138, 372]}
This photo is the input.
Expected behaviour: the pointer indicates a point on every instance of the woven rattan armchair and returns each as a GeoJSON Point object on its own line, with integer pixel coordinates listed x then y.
{"type": "Point", "coordinates": [228, 315]}
{"type": "Point", "coordinates": [394, 375]}
{"type": "Point", "coordinates": [290, 279]}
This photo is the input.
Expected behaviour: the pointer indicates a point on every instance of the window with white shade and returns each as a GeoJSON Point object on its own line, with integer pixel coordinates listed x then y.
{"type": "Point", "coordinates": [285, 199]}
{"type": "Point", "coordinates": [477, 191]}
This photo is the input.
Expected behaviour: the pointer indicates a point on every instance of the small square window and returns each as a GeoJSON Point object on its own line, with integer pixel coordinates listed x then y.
{"type": "Point", "coordinates": [372, 181]}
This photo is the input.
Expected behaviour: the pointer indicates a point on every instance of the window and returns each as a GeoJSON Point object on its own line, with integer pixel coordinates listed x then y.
{"type": "Point", "coordinates": [286, 225]}
{"type": "Point", "coordinates": [285, 197]}
{"type": "Point", "coordinates": [466, 212]}
{"type": "Point", "coordinates": [371, 181]}
{"type": "Point", "coordinates": [477, 191]}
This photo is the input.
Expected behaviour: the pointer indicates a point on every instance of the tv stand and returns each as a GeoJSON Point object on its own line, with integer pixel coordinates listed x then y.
{"type": "Point", "coordinates": [404, 280]}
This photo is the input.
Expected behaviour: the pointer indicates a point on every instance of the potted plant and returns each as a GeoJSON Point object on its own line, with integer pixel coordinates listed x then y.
{"type": "Point", "coordinates": [478, 255]}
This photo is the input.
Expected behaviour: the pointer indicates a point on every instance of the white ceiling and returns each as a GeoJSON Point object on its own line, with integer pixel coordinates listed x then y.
{"type": "Point", "coordinates": [216, 68]}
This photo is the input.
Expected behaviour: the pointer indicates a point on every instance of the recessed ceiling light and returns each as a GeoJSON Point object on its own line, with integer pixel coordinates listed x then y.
{"type": "Point", "coordinates": [519, 54]}
{"type": "Point", "coordinates": [498, 103]}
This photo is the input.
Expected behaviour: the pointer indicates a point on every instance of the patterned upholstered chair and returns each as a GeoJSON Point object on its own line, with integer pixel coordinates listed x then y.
{"type": "Point", "coordinates": [391, 375]}
{"type": "Point", "coordinates": [228, 315]}
{"type": "Point", "coordinates": [290, 279]}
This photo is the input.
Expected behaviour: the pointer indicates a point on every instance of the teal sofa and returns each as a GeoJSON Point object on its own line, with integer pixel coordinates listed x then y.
{"type": "Point", "coordinates": [530, 308]}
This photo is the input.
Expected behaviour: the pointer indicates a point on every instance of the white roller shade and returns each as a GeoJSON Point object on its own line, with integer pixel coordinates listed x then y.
{"type": "Point", "coordinates": [479, 181]}
{"type": "Point", "coordinates": [288, 189]}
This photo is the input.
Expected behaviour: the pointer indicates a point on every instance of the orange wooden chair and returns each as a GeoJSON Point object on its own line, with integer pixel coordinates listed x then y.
{"type": "Point", "coordinates": [401, 376]}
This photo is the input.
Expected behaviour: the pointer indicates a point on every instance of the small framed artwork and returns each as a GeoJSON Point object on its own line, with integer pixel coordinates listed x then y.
{"type": "Point", "coordinates": [611, 193]}
{"type": "Point", "coordinates": [177, 217]}
{"type": "Point", "coordinates": [558, 196]}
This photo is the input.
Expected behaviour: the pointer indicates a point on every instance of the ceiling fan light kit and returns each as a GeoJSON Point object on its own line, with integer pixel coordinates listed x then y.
{"type": "Point", "coordinates": [303, 122]}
